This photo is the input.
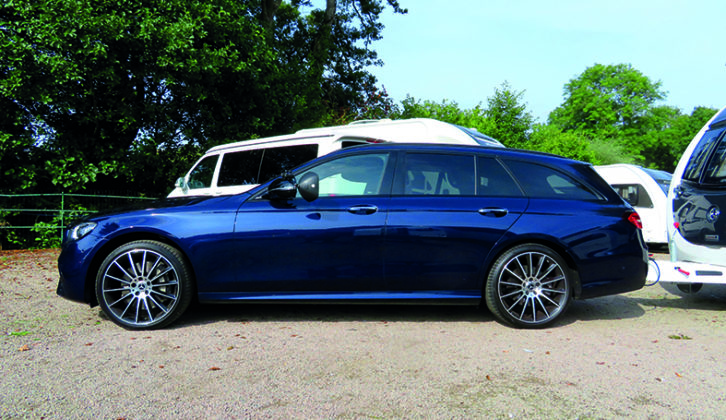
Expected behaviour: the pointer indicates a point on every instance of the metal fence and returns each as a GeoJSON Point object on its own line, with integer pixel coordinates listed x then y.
{"type": "Point", "coordinates": [40, 220]}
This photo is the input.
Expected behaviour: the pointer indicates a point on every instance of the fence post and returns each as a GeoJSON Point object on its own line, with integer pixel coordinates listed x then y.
{"type": "Point", "coordinates": [62, 216]}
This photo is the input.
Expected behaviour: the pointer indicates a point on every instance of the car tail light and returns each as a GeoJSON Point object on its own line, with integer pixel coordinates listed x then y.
{"type": "Point", "coordinates": [634, 218]}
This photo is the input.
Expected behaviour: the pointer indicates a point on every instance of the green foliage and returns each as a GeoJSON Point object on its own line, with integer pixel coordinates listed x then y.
{"type": "Point", "coordinates": [85, 84]}
{"type": "Point", "coordinates": [48, 235]}
{"type": "Point", "coordinates": [8, 236]}
{"type": "Point", "coordinates": [663, 145]}
{"type": "Point", "coordinates": [571, 144]}
{"type": "Point", "coordinates": [126, 95]}
{"type": "Point", "coordinates": [447, 111]}
{"type": "Point", "coordinates": [506, 118]}
{"type": "Point", "coordinates": [608, 151]}
{"type": "Point", "coordinates": [607, 100]}
{"type": "Point", "coordinates": [511, 120]}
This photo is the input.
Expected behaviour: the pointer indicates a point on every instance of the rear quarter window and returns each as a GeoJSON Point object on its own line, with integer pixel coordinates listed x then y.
{"type": "Point", "coordinates": [545, 182]}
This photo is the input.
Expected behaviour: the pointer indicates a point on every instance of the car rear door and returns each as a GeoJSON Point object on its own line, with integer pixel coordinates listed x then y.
{"type": "Point", "coordinates": [446, 213]}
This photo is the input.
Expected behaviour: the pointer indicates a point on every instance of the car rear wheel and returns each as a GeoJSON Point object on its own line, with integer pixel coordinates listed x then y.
{"type": "Point", "coordinates": [529, 286]}
{"type": "Point", "coordinates": [144, 285]}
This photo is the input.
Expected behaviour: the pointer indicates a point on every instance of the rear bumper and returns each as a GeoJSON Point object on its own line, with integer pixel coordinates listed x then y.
{"type": "Point", "coordinates": [687, 272]}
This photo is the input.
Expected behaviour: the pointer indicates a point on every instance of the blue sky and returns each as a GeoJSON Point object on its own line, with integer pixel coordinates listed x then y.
{"type": "Point", "coordinates": [461, 50]}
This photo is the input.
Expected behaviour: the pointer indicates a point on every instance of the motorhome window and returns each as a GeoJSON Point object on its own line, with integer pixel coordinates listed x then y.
{"type": "Point", "coordinates": [202, 174]}
{"type": "Point", "coordinates": [277, 160]}
{"type": "Point", "coordinates": [697, 161]}
{"type": "Point", "coordinates": [350, 143]}
{"type": "Point", "coordinates": [716, 169]}
{"type": "Point", "coordinates": [240, 168]}
{"type": "Point", "coordinates": [634, 194]}
{"type": "Point", "coordinates": [545, 182]}
{"type": "Point", "coordinates": [494, 180]}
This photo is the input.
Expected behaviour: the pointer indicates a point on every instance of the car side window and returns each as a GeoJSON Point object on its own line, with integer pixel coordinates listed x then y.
{"type": "Point", "coordinates": [634, 194]}
{"type": "Point", "coordinates": [202, 174]}
{"type": "Point", "coordinates": [438, 174]}
{"type": "Point", "coordinates": [351, 175]}
{"type": "Point", "coordinates": [494, 180]}
{"type": "Point", "coordinates": [545, 182]}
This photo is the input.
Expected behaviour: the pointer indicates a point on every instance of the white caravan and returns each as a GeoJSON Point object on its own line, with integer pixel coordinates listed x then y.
{"type": "Point", "coordinates": [646, 190]}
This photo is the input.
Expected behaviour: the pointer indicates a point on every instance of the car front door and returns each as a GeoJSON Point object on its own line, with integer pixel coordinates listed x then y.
{"type": "Point", "coordinates": [447, 211]}
{"type": "Point", "coordinates": [332, 246]}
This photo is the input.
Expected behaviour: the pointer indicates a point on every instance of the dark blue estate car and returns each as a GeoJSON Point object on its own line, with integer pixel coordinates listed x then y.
{"type": "Point", "coordinates": [524, 232]}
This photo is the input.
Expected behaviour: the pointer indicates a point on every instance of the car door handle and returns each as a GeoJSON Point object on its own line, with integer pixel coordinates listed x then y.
{"type": "Point", "coordinates": [363, 209]}
{"type": "Point", "coordinates": [493, 211]}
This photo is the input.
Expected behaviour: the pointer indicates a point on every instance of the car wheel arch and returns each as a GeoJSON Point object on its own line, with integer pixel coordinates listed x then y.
{"type": "Point", "coordinates": [111, 245]}
{"type": "Point", "coordinates": [501, 248]}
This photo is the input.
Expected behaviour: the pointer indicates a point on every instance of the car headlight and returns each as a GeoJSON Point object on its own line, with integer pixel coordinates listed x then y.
{"type": "Point", "coordinates": [80, 230]}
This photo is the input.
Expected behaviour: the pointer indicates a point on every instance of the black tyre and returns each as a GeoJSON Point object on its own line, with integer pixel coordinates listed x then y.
{"type": "Point", "coordinates": [529, 286]}
{"type": "Point", "coordinates": [144, 285]}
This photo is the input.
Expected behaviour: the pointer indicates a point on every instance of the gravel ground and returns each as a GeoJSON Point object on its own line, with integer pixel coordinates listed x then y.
{"type": "Point", "coordinates": [646, 354]}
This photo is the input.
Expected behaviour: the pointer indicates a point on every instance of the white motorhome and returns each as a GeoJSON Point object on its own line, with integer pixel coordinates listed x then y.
{"type": "Point", "coordinates": [646, 190]}
{"type": "Point", "coordinates": [237, 167]}
{"type": "Point", "coordinates": [697, 194]}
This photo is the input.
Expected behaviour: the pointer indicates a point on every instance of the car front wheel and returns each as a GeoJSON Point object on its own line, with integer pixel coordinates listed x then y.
{"type": "Point", "coordinates": [529, 286]}
{"type": "Point", "coordinates": [144, 285]}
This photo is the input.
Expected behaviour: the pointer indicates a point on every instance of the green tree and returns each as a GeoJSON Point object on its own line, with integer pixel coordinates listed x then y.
{"type": "Point", "coordinates": [607, 101]}
{"type": "Point", "coordinates": [572, 144]}
{"type": "Point", "coordinates": [89, 79]}
{"type": "Point", "coordinates": [512, 122]}
{"type": "Point", "coordinates": [663, 145]}
{"type": "Point", "coordinates": [447, 111]}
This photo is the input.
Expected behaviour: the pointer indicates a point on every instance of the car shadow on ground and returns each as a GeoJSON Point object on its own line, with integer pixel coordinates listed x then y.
{"type": "Point", "coordinates": [708, 297]}
{"type": "Point", "coordinates": [604, 308]}
{"type": "Point", "coordinates": [210, 313]}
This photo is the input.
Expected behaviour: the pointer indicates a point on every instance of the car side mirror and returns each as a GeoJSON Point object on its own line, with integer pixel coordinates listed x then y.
{"type": "Point", "coordinates": [181, 183]}
{"type": "Point", "coordinates": [281, 189]}
{"type": "Point", "coordinates": [308, 186]}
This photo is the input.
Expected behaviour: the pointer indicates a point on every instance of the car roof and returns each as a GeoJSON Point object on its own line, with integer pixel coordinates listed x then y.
{"type": "Point", "coordinates": [444, 148]}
